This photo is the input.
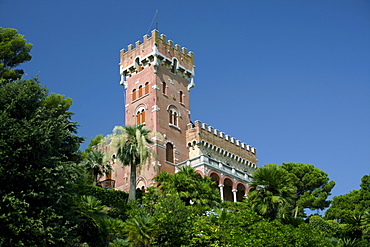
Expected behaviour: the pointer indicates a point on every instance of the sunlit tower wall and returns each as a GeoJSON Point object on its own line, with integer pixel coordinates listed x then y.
{"type": "Point", "coordinates": [157, 76]}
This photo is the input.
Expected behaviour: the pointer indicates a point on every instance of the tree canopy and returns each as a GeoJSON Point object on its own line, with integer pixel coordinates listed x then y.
{"type": "Point", "coordinates": [312, 186]}
{"type": "Point", "coordinates": [356, 202]}
{"type": "Point", "coordinates": [131, 145]}
{"type": "Point", "coordinates": [13, 51]}
{"type": "Point", "coordinates": [38, 153]}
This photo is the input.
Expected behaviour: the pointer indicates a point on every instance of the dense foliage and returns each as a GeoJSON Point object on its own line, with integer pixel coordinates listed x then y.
{"type": "Point", "coordinates": [46, 200]}
{"type": "Point", "coordinates": [38, 153]}
{"type": "Point", "coordinates": [13, 51]}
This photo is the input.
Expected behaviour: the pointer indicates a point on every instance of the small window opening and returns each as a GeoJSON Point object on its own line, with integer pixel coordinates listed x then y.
{"type": "Point", "coordinates": [181, 97]}
{"type": "Point", "coordinates": [174, 66]}
{"type": "Point", "coordinates": [147, 88]}
{"type": "Point", "coordinates": [169, 152]}
{"type": "Point", "coordinates": [138, 66]}
{"type": "Point", "coordinates": [164, 88]}
{"type": "Point", "coordinates": [140, 91]}
{"type": "Point", "coordinates": [133, 94]}
{"type": "Point", "coordinates": [140, 116]}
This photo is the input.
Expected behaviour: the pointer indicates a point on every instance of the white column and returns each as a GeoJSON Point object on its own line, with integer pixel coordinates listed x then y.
{"type": "Point", "coordinates": [234, 193]}
{"type": "Point", "coordinates": [221, 186]}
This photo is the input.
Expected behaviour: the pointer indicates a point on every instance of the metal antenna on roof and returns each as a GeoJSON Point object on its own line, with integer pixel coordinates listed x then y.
{"type": "Point", "coordinates": [156, 23]}
{"type": "Point", "coordinates": [156, 18]}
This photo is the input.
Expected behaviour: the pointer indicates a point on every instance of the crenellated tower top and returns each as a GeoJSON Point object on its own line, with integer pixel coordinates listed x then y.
{"type": "Point", "coordinates": [156, 51]}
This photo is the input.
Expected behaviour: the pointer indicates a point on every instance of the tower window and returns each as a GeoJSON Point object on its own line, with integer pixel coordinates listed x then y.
{"type": "Point", "coordinates": [173, 116]}
{"type": "Point", "coordinates": [164, 88]}
{"type": "Point", "coordinates": [138, 66]}
{"type": "Point", "coordinates": [181, 97]}
{"type": "Point", "coordinates": [169, 152]}
{"type": "Point", "coordinates": [140, 116]}
{"type": "Point", "coordinates": [147, 88]}
{"type": "Point", "coordinates": [140, 91]}
{"type": "Point", "coordinates": [174, 66]}
{"type": "Point", "coordinates": [133, 94]}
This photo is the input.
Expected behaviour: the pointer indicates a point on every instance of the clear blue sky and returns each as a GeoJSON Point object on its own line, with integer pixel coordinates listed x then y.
{"type": "Point", "coordinates": [291, 78]}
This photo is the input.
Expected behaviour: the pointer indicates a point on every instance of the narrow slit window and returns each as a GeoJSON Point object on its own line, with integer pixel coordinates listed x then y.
{"type": "Point", "coordinates": [164, 88]}
{"type": "Point", "coordinates": [181, 97]}
{"type": "Point", "coordinates": [133, 94]}
{"type": "Point", "coordinates": [174, 66]}
{"type": "Point", "coordinates": [170, 116]}
{"type": "Point", "coordinates": [140, 91]}
{"type": "Point", "coordinates": [147, 88]}
{"type": "Point", "coordinates": [138, 66]}
{"type": "Point", "coordinates": [169, 152]}
{"type": "Point", "coordinates": [175, 118]}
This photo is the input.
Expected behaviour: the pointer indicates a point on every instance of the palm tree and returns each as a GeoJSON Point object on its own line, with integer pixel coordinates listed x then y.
{"type": "Point", "coordinates": [189, 186]}
{"type": "Point", "coordinates": [271, 194]}
{"type": "Point", "coordinates": [141, 230]}
{"type": "Point", "coordinates": [132, 146]}
{"type": "Point", "coordinates": [95, 163]}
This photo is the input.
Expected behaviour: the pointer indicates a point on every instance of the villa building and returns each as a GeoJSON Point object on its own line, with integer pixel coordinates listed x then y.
{"type": "Point", "coordinates": [158, 76]}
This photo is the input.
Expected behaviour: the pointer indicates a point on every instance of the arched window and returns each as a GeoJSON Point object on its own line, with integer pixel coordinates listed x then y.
{"type": "Point", "coordinates": [140, 116]}
{"type": "Point", "coordinates": [164, 88]}
{"type": "Point", "coordinates": [133, 94]}
{"type": "Point", "coordinates": [138, 66]}
{"type": "Point", "coordinates": [169, 152]}
{"type": "Point", "coordinates": [174, 66]}
{"type": "Point", "coordinates": [140, 91]}
{"type": "Point", "coordinates": [173, 115]}
{"type": "Point", "coordinates": [146, 87]}
{"type": "Point", "coordinates": [181, 97]}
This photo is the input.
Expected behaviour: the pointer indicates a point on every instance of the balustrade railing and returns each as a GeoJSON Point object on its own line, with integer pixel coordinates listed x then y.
{"type": "Point", "coordinates": [216, 165]}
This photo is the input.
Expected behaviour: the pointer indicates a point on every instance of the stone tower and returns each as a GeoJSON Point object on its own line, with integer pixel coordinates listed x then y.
{"type": "Point", "coordinates": [157, 76]}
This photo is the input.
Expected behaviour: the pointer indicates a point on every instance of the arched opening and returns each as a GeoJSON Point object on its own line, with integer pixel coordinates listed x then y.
{"type": "Point", "coordinates": [169, 152]}
{"type": "Point", "coordinates": [173, 115]}
{"type": "Point", "coordinates": [216, 180]}
{"type": "Point", "coordinates": [133, 94]}
{"type": "Point", "coordinates": [175, 118]}
{"type": "Point", "coordinates": [147, 88]}
{"type": "Point", "coordinates": [140, 91]}
{"type": "Point", "coordinates": [181, 97]}
{"type": "Point", "coordinates": [228, 187]}
{"type": "Point", "coordinates": [174, 66]}
{"type": "Point", "coordinates": [164, 88]}
{"type": "Point", "coordinates": [140, 116]}
{"type": "Point", "coordinates": [138, 66]}
{"type": "Point", "coordinates": [240, 193]}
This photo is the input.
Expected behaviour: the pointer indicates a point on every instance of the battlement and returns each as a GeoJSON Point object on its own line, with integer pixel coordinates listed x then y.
{"type": "Point", "coordinates": [156, 51]}
{"type": "Point", "coordinates": [203, 126]}
{"type": "Point", "coordinates": [159, 39]}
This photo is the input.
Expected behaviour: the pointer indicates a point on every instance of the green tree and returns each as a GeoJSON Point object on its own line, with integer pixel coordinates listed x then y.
{"type": "Point", "coordinates": [312, 184]}
{"type": "Point", "coordinates": [354, 203]}
{"type": "Point", "coordinates": [189, 186]}
{"type": "Point", "coordinates": [132, 146]}
{"type": "Point", "coordinates": [38, 155]}
{"type": "Point", "coordinates": [96, 228]}
{"type": "Point", "coordinates": [272, 192]}
{"type": "Point", "coordinates": [352, 211]}
{"type": "Point", "coordinates": [13, 51]}
{"type": "Point", "coordinates": [94, 163]}
{"type": "Point", "coordinates": [141, 230]}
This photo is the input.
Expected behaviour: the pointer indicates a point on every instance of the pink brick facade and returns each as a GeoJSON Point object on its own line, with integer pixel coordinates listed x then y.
{"type": "Point", "coordinates": [157, 76]}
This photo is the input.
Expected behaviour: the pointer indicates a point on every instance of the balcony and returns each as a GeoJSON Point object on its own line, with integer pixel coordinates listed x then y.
{"type": "Point", "coordinates": [205, 164]}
